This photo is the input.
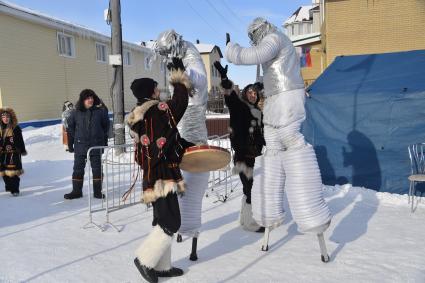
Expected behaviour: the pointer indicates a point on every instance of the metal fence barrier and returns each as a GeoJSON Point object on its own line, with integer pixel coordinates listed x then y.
{"type": "Point", "coordinates": [220, 183]}
{"type": "Point", "coordinates": [120, 174]}
{"type": "Point", "coordinates": [122, 181]}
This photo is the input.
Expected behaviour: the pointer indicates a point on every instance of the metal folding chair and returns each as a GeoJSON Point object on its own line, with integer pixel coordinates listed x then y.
{"type": "Point", "coordinates": [417, 163]}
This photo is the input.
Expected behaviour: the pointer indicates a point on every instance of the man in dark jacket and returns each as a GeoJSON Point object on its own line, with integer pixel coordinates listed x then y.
{"type": "Point", "coordinates": [246, 137]}
{"type": "Point", "coordinates": [87, 127]}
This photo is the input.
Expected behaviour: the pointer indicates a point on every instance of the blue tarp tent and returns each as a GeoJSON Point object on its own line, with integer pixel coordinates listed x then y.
{"type": "Point", "coordinates": [363, 113]}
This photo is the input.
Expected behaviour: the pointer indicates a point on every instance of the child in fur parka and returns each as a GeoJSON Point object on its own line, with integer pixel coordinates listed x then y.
{"type": "Point", "coordinates": [153, 125]}
{"type": "Point", "coordinates": [246, 137]}
{"type": "Point", "coordinates": [12, 148]}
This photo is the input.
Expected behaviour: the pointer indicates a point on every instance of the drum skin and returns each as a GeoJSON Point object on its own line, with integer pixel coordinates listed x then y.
{"type": "Point", "coordinates": [204, 158]}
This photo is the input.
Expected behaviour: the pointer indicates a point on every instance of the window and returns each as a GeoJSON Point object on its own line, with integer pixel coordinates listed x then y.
{"type": "Point", "coordinates": [66, 45]}
{"type": "Point", "coordinates": [127, 57]}
{"type": "Point", "coordinates": [147, 63]}
{"type": "Point", "coordinates": [214, 72]}
{"type": "Point", "coordinates": [100, 52]}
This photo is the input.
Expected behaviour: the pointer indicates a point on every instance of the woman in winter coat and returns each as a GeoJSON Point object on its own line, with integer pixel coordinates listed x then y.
{"type": "Point", "coordinates": [246, 137]}
{"type": "Point", "coordinates": [12, 148]}
{"type": "Point", "coordinates": [153, 125]}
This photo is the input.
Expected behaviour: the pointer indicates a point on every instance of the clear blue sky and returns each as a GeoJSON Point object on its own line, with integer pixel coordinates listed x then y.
{"type": "Point", "coordinates": [206, 20]}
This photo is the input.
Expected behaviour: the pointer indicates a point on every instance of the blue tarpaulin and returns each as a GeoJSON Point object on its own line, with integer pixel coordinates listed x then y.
{"type": "Point", "coordinates": [363, 113]}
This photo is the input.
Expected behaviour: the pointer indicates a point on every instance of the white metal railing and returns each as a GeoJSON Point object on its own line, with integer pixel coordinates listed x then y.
{"type": "Point", "coordinates": [122, 181]}
{"type": "Point", "coordinates": [221, 183]}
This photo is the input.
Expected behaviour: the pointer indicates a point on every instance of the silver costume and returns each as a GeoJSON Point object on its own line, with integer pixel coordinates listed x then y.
{"type": "Point", "coordinates": [289, 162]}
{"type": "Point", "coordinates": [192, 126]}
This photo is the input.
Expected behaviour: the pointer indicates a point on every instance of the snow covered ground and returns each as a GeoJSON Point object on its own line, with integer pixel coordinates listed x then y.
{"type": "Point", "coordinates": [373, 236]}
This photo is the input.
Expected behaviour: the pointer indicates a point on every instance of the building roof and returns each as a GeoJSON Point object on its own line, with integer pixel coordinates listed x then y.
{"type": "Point", "coordinates": [301, 14]}
{"type": "Point", "coordinates": [36, 17]}
{"type": "Point", "coordinates": [204, 48]}
{"type": "Point", "coordinates": [150, 44]}
{"type": "Point", "coordinates": [303, 39]}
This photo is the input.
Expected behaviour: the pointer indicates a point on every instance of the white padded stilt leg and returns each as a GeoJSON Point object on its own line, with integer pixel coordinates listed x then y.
{"type": "Point", "coordinates": [304, 190]}
{"type": "Point", "coordinates": [268, 190]}
{"type": "Point", "coordinates": [191, 203]}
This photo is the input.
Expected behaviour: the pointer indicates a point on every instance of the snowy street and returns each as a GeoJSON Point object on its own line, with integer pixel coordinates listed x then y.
{"type": "Point", "coordinates": [373, 236]}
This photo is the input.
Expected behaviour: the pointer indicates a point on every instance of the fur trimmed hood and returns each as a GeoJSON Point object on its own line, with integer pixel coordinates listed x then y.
{"type": "Point", "coordinates": [138, 112]}
{"type": "Point", "coordinates": [13, 118]}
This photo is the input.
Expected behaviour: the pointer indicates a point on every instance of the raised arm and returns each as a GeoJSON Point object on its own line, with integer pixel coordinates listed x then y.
{"type": "Point", "coordinates": [265, 51]}
{"type": "Point", "coordinates": [181, 85]}
{"type": "Point", "coordinates": [195, 69]}
{"type": "Point", "coordinates": [230, 97]}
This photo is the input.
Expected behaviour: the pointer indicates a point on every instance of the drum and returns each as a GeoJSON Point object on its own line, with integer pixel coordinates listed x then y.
{"type": "Point", "coordinates": [204, 158]}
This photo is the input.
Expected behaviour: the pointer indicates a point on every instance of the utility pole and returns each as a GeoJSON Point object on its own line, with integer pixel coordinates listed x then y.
{"type": "Point", "coordinates": [118, 79]}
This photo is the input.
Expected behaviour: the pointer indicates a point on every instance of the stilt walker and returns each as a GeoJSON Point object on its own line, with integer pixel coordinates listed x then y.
{"type": "Point", "coordinates": [192, 128]}
{"type": "Point", "coordinates": [289, 163]}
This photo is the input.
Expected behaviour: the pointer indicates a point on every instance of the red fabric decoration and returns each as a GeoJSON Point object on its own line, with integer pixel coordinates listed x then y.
{"type": "Point", "coordinates": [161, 142]}
{"type": "Point", "coordinates": [144, 140]}
{"type": "Point", "coordinates": [163, 106]}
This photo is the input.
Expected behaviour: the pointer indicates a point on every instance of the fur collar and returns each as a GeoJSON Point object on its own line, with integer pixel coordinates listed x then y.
{"type": "Point", "coordinates": [13, 118]}
{"type": "Point", "coordinates": [138, 113]}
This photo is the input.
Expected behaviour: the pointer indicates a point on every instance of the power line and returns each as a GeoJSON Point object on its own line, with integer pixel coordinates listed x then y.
{"type": "Point", "coordinates": [232, 12]}
{"type": "Point", "coordinates": [221, 15]}
{"type": "Point", "coordinates": [199, 15]}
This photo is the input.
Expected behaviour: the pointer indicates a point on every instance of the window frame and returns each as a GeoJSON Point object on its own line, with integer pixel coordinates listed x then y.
{"type": "Point", "coordinates": [127, 60]}
{"type": "Point", "coordinates": [163, 66]}
{"type": "Point", "coordinates": [146, 63]}
{"type": "Point", "coordinates": [72, 44]}
{"type": "Point", "coordinates": [106, 52]}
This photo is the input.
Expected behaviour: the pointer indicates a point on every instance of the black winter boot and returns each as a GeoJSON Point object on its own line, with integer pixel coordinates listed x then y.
{"type": "Point", "coordinates": [173, 272]}
{"type": "Point", "coordinates": [149, 274]}
{"type": "Point", "coordinates": [97, 189]}
{"type": "Point", "coordinates": [77, 190]}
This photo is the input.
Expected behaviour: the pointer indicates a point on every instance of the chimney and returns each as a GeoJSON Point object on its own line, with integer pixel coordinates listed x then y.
{"type": "Point", "coordinates": [197, 41]}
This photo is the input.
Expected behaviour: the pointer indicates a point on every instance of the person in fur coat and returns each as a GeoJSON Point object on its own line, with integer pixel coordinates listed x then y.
{"type": "Point", "coordinates": [153, 125]}
{"type": "Point", "coordinates": [246, 137]}
{"type": "Point", "coordinates": [12, 147]}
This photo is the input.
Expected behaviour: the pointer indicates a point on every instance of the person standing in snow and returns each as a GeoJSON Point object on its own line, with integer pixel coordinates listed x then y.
{"type": "Point", "coordinates": [88, 126]}
{"type": "Point", "coordinates": [12, 148]}
{"type": "Point", "coordinates": [153, 125]}
{"type": "Point", "coordinates": [67, 109]}
{"type": "Point", "coordinates": [246, 137]}
{"type": "Point", "coordinates": [192, 128]}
